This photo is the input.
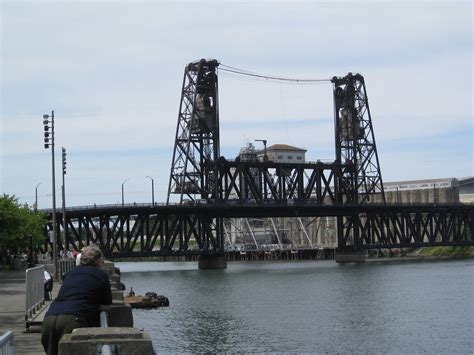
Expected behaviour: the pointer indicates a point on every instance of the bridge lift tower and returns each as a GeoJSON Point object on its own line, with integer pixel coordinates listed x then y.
{"type": "Point", "coordinates": [196, 144]}
{"type": "Point", "coordinates": [355, 139]}
{"type": "Point", "coordinates": [195, 174]}
{"type": "Point", "coordinates": [355, 146]}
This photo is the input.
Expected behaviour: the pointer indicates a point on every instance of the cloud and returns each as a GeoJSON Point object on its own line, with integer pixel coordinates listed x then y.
{"type": "Point", "coordinates": [113, 71]}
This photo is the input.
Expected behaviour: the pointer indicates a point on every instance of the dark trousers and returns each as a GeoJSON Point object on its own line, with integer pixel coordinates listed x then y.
{"type": "Point", "coordinates": [48, 287]}
{"type": "Point", "coordinates": [54, 327]}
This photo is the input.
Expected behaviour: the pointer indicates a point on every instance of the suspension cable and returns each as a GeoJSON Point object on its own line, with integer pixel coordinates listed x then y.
{"type": "Point", "coordinates": [269, 77]}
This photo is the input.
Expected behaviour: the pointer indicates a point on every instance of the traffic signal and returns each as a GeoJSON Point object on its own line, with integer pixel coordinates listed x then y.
{"type": "Point", "coordinates": [46, 131]}
{"type": "Point", "coordinates": [64, 159]}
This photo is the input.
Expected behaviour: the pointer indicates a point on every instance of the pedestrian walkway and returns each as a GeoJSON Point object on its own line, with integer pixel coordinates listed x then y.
{"type": "Point", "coordinates": [12, 312]}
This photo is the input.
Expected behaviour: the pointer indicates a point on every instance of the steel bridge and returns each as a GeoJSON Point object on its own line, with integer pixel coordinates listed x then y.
{"type": "Point", "coordinates": [213, 189]}
{"type": "Point", "coordinates": [167, 230]}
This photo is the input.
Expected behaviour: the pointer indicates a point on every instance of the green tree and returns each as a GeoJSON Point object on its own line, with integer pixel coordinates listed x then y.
{"type": "Point", "coordinates": [17, 224]}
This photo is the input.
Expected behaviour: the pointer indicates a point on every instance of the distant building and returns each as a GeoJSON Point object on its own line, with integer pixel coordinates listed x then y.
{"type": "Point", "coordinates": [447, 190]}
{"type": "Point", "coordinates": [466, 189]}
{"type": "Point", "coordinates": [283, 153]}
{"type": "Point", "coordinates": [422, 191]}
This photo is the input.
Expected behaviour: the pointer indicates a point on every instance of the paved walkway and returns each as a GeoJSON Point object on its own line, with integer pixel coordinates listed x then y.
{"type": "Point", "coordinates": [12, 312]}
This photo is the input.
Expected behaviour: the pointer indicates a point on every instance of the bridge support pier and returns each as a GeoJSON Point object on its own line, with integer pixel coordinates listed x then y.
{"type": "Point", "coordinates": [349, 256]}
{"type": "Point", "coordinates": [217, 261]}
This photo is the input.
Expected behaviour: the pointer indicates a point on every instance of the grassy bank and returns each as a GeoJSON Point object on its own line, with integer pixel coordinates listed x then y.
{"type": "Point", "coordinates": [463, 251]}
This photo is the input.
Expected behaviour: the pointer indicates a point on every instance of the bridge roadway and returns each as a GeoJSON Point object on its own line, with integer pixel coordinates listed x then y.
{"type": "Point", "coordinates": [161, 230]}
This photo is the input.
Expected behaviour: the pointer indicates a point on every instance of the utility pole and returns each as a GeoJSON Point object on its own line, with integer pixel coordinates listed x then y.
{"type": "Point", "coordinates": [48, 122]}
{"type": "Point", "coordinates": [63, 155]}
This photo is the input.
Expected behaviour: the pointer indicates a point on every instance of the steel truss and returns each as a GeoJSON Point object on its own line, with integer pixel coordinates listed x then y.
{"type": "Point", "coordinates": [422, 226]}
{"type": "Point", "coordinates": [269, 182]}
{"type": "Point", "coordinates": [186, 230]}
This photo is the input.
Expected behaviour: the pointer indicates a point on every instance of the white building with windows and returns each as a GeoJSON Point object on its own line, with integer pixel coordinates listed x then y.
{"type": "Point", "coordinates": [283, 153]}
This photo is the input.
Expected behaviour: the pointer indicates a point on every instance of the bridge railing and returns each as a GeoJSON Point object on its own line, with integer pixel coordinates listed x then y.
{"type": "Point", "coordinates": [236, 202]}
{"type": "Point", "coordinates": [110, 205]}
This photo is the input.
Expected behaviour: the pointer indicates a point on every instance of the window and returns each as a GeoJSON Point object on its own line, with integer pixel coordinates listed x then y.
{"type": "Point", "coordinates": [299, 158]}
{"type": "Point", "coordinates": [290, 157]}
{"type": "Point", "coordinates": [280, 157]}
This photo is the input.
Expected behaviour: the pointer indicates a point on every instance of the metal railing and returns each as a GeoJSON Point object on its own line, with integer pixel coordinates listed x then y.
{"type": "Point", "coordinates": [109, 205]}
{"type": "Point", "coordinates": [6, 344]}
{"type": "Point", "coordinates": [65, 265]}
{"type": "Point", "coordinates": [34, 290]}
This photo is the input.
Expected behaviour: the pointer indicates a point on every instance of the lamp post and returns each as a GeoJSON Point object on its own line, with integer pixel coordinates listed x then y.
{"type": "Point", "coordinates": [123, 183]}
{"type": "Point", "coordinates": [48, 122]}
{"type": "Point", "coordinates": [36, 196]}
{"type": "Point", "coordinates": [63, 156]}
{"type": "Point", "coordinates": [152, 190]}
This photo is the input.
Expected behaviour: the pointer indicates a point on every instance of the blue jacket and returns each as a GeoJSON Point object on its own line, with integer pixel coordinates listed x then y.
{"type": "Point", "coordinates": [84, 289]}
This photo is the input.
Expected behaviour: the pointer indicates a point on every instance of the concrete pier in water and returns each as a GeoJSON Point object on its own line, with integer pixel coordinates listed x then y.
{"type": "Point", "coordinates": [212, 262]}
{"type": "Point", "coordinates": [350, 256]}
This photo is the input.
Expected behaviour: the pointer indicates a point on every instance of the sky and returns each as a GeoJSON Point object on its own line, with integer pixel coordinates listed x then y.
{"type": "Point", "coordinates": [112, 72]}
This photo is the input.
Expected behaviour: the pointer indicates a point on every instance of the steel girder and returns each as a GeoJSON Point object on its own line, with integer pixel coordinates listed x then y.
{"type": "Point", "coordinates": [188, 229]}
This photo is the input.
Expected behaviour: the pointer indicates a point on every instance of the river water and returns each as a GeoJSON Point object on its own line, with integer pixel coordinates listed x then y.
{"type": "Point", "coordinates": [405, 307]}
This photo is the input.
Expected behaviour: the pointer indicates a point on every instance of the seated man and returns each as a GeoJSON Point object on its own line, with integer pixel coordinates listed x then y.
{"type": "Point", "coordinates": [78, 303]}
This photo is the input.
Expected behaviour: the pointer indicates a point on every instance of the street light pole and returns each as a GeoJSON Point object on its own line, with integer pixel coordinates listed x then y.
{"type": "Point", "coordinates": [63, 156]}
{"type": "Point", "coordinates": [49, 119]}
{"type": "Point", "coordinates": [152, 190]}
{"type": "Point", "coordinates": [123, 183]}
{"type": "Point", "coordinates": [36, 196]}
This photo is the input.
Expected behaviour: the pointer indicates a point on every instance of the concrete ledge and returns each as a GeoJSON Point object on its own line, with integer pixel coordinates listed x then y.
{"type": "Point", "coordinates": [114, 278]}
{"type": "Point", "coordinates": [117, 295]}
{"type": "Point", "coordinates": [109, 267]}
{"type": "Point", "coordinates": [120, 315]}
{"type": "Point", "coordinates": [89, 340]}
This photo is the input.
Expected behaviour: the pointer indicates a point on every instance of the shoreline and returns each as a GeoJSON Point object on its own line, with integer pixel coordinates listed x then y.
{"type": "Point", "coordinates": [419, 258]}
